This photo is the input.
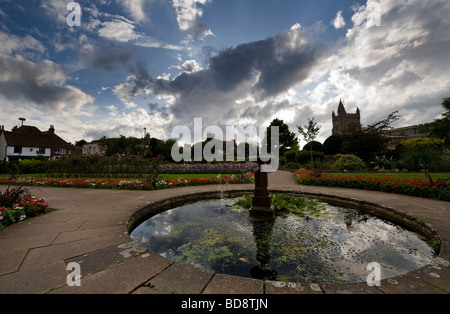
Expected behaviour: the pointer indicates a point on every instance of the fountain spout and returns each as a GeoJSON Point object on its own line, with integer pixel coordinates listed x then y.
{"type": "Point", "coordinates": [262, 208]}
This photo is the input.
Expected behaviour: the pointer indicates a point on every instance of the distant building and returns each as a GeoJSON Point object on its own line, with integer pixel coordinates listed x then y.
{"type": "Point", "coordinates": [405, 133]}
{"type": "Point", "coordinates": [344, 122]}
{"type": "Point", "coordinates": [27, 142]}
{"type": "Point", "coordinates": [93, 148]}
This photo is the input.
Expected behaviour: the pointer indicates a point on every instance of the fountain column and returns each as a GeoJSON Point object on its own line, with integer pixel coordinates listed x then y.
{"type": "Point", "coordinates": [262, 208]}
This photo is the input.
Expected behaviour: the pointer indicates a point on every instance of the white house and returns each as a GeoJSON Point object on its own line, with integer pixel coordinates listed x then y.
{"type": "Point", "coordinates": [27, 142]}
{"type": "Point", "coordinates": [93, 148]}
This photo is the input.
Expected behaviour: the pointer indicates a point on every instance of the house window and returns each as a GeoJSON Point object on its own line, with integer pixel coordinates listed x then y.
{"type": "Point", "coordinates": [17, 149]}
{"type": "Point", "coordinates": [59, 151]}
{"type": "Point", "coordinates": [41, 151]}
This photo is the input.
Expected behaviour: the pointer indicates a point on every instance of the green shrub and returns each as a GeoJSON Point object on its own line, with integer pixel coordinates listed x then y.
{"type": "Point", "coordinates": [292, 165]}
{"type": "Point", "coordinates": [303, 157]}
{"type": "Point", "coordinates": [4, 166]}
{"type": "Point", "coordinates": [316, 146]}
{"type": "Point", "coordinates": [31, 166]}
{"type": "Point", "coordinates": [351, 166]}
{"type": "Point", "coordinates": [422, 153]}
{"type": "Point", "coordinates": [420, 159]}
{"type": "Point", "coordinates": [290, 155]}
{"type": "Point", "coordinates": [333, 145]}
{"type": "Point", "coordinates": [348, 162]}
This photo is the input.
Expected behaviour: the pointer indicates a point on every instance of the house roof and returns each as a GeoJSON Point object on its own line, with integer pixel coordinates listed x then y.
{"type": "Point", "coordinates": [31, 136]}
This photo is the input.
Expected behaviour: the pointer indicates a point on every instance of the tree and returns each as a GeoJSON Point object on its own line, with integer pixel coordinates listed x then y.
{"type": "Point", "coordinates": [122, 146]}
{"type": "Point", "coordinates": [440, 128]}
{"type": "Point", "coordinates": [369, 141]}
{"type": "Point", "coordinates": [287, 139]}
{"type": "Point", "coordinates": [309, 133]}
{"type": "Point", "coordinates": [80, 143]}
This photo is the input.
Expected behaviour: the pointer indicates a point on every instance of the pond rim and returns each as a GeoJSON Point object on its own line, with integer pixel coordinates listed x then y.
{"type": "Point", "coordinates": [390, 214]}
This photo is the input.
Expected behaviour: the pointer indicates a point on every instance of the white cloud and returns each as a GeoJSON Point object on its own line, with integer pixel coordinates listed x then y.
{"type": "Point", "coordinates": [189, 66]}
{"type": "Point", "coordinates": [12, 43]}
{"type": "Point", "coordinates": [124, 31]}
{"type": "Point", "coordinates": [400, 65]}
{"type": "Point", "coordinates": [188, 13]}
{"type": "Point", "coordinates": [339, 21]}
{"type": "Point", "coordinates": [136, 8]}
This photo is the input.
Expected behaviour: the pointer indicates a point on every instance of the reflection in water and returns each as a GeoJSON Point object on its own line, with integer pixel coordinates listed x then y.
{"type": "Point", "coordinates": [262, 232]}
{"type": "Point", "coordinates": [334, 245]}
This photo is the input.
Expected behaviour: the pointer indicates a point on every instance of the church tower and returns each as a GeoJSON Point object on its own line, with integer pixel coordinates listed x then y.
{"type": "Point", "coordinates": [344, 122]}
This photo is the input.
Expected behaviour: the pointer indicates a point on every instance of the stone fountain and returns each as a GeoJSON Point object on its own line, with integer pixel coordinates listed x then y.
{"type": "Point", "coordinates": [262, 208]}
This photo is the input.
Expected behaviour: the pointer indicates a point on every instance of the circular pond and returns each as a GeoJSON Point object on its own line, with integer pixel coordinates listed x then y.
{"type": "Point", "coordinates": [309, 241]}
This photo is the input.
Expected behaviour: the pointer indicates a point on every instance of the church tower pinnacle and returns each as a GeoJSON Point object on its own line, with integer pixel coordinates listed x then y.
{"type": "Point", "coordinates": [344, 122]}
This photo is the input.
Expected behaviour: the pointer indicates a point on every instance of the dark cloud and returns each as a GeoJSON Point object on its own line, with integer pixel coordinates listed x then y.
{"type": "Point", "coordinates": [263, 69]}
{"type": "Point", "coordinates": [109, 59]}
{"type": "Point", "coordinates": [40, 83]}
{"type": "Point", "coordinates": [159, 110]}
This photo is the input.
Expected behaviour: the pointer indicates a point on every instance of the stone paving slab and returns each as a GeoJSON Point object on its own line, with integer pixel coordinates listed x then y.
{"type": "Point", "coordinates": [122, 278]}
{"type": "Point", "coordinates": [227, 284]}
{"type": "Point", "coordinates": [89, 226]}
{"type": "Point", "coordinates": [10, 261]}
{"type": "Point", "coordinates": [34, 281]}
{"type": "Point", "coordinates": [178, 278]}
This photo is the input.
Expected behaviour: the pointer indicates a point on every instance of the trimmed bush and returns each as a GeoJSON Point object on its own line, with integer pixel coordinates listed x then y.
{"type": "Point", "coordinates": [304, 156]}
{"type": "Point", "coordinates": [316, 146]}
{"type": "Point", "coordinates": [290, 156]}
{"type": "Point", "coordinates": [348, 162]}
{"type": "Point", "coordinates": [333, 145]}
{"type": "Point", "coordinates": [31, 166]}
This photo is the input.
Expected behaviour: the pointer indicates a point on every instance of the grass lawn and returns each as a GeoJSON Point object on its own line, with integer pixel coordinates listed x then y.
{"type": "Point", "coordinates": [399, 175]}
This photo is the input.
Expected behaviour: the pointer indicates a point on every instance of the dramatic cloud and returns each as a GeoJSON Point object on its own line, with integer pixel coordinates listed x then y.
{"type": "Point", "coordinates": [400, 65]}
{"type": "Point", "coordinates": [262, 70]}
{"type": "Point", "coordinates": [104, 57]}
{"type": "Point", "coordinates": [39, 83]}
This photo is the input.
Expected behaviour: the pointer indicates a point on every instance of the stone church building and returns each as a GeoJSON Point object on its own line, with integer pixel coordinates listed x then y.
{"type": "Point", "coordinates": [344, 122]}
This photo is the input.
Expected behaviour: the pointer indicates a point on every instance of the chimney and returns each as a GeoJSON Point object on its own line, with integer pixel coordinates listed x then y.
{"type": "Point", "coordinates": [52, 128]}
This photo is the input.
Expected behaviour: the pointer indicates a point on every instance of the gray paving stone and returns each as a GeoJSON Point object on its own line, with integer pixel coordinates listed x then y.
{"type": "Point", "coordinates": [179, 278]}
{"type": "Point", "coordinates": [227, 284]}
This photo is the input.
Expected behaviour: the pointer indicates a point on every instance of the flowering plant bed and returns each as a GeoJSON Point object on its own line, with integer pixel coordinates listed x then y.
{"type": "Point", "coordinates": [415, 187]}
{"type": "Point", "coordinates": [128, 184]}
{"type": "Point", "coordinates": [224, 168]}
{"type": "Point", "coordinates": [26, 206]}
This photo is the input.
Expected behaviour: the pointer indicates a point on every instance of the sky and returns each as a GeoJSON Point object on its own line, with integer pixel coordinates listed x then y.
{"type": "Point", "coordinates": [158, 64]}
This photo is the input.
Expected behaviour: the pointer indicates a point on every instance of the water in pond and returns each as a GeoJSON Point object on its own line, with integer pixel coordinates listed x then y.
{"type": "Point", "coordinates": [324, 244]}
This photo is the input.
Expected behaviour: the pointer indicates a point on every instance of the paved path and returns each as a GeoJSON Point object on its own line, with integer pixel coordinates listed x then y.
{"type": "Point", "coordinates": [90, 228]}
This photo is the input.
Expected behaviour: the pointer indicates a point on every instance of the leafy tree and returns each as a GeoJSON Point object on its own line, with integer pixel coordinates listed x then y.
{"type": "Point", "coordinates": [309, 133]}
{"type": "Point", "coordinates": [440, 128]}
{"type": "Point", "coordinates": [369, 141]}
{"type": "Point", "coordinates": [125, 146]}
{"type": "Point", "coordinates": [287, 139]}
{"type": "Point", "coordinates": [80, 143]}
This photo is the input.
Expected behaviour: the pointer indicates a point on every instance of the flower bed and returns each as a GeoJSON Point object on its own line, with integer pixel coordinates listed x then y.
{"type": "Point", "coordinates": [413, 187]}
{"type": "Point", "coordinates": [224, 168]}
{"type": "Point", "coordinates": [128, 184]}
{"type": "Point", "coordinates": [28, 206]}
